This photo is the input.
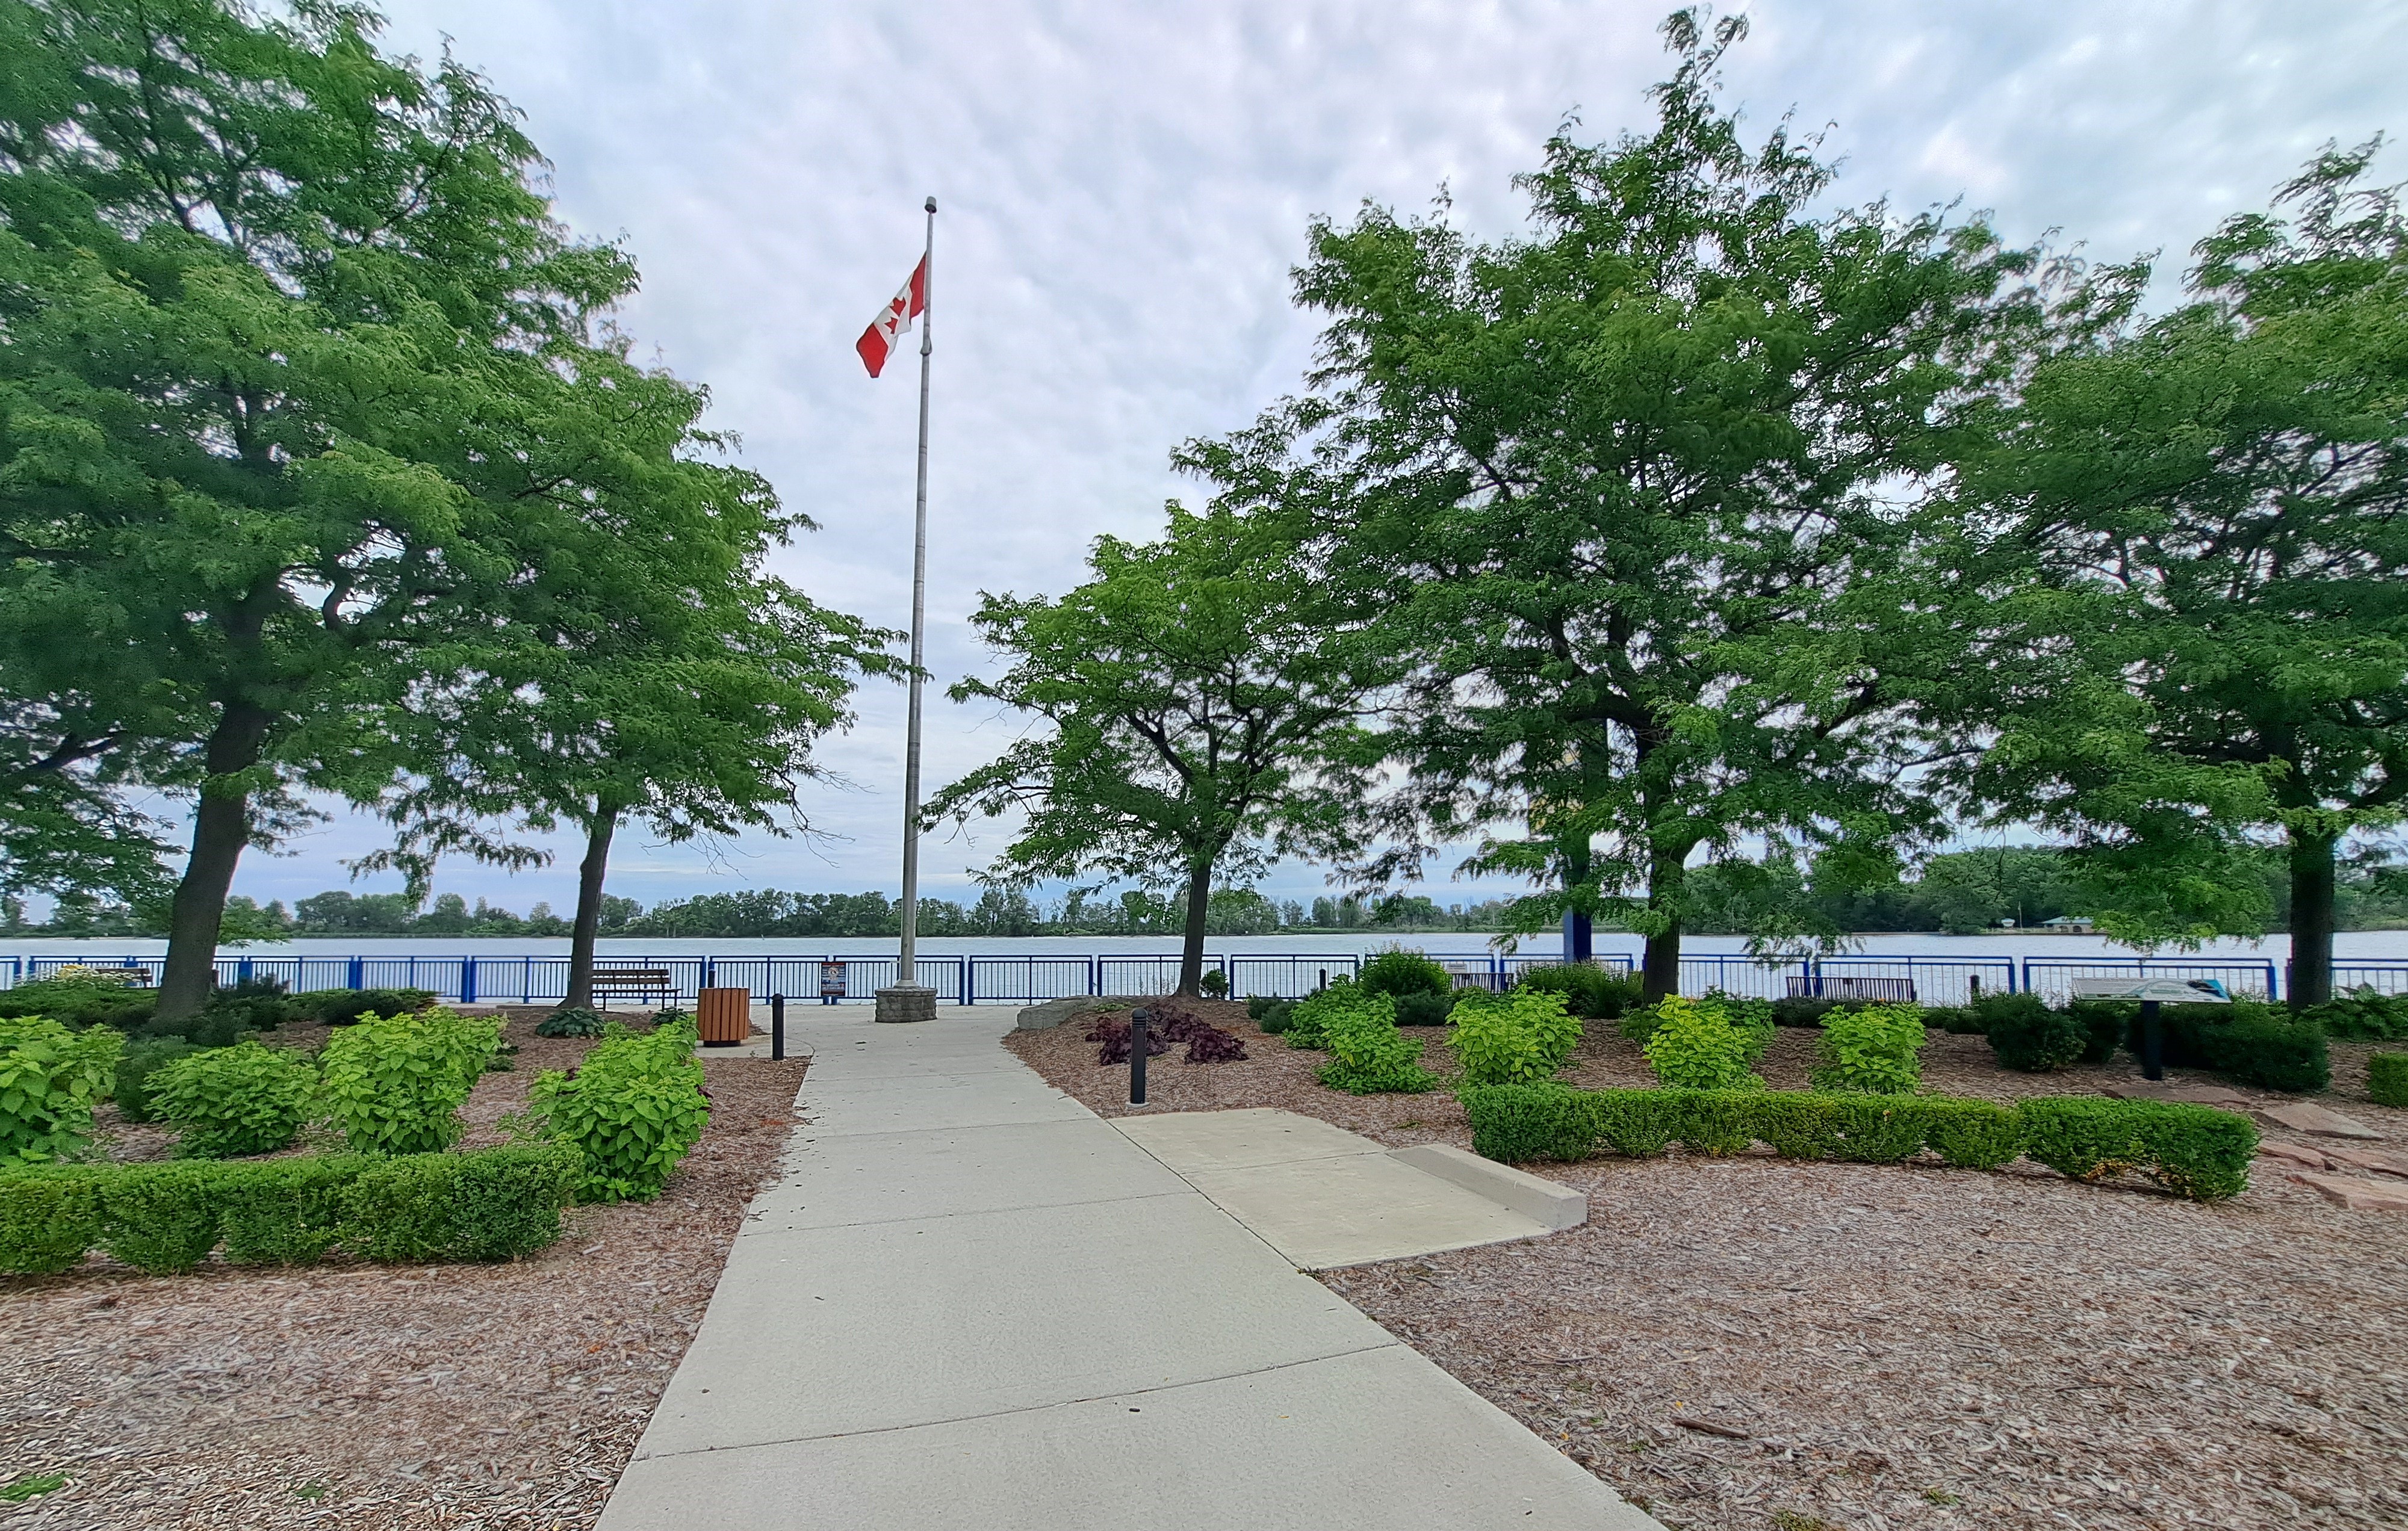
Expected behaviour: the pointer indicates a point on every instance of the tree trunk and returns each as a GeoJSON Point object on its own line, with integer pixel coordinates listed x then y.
{"type": "Point", "coordinates": [1660, 975]}
{"type": "Point", "coordinates": [1579, 938]}
{"type": "Point", "coordinates": [590, 873]}
{"type": "Point", "coordinates": [2311, 918]}
{"type": "Point", "coordinates": [221, 828]}
{"type": "Point", "coordinates": [1191, 947]}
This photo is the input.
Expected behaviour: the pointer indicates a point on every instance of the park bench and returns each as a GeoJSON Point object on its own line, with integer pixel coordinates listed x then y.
{"type": "Point", "coordinates": [644, 982]}
{"type": "Point", "coordinates": [1889, 990]}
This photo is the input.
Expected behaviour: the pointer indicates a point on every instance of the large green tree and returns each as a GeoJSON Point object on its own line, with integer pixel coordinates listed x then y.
{"type": "Point", "coordinates": [687, 698]}
{"type": "Point", "coordinates": [2213, 506]}
{"type": "Point", "coordinates": [298, 389]}
{"type": "Point", "coordinates": [1198, 700]}
{"type": "Point", "coordinates": [1649, 499]}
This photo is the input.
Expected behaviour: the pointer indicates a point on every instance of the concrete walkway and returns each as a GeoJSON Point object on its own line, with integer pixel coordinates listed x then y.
{"type": "Point", "coordinates": [971, 1304]}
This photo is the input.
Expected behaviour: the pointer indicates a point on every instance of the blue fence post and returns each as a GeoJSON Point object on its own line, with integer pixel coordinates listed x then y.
{"type": "Point", "coordinates": [467, 981]}
{"type": "Point", "coordinates": [969, 982]}
{"type": "Point", "coordinates": [353, 971]}
{"type": "Point", "coordinates": [242, 970]}
{"type": "Point", "coordinates": [2271, 993]}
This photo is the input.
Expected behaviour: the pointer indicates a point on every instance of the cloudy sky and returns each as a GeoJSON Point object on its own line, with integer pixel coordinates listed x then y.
{"type": "Point", "coordinates": [1124, 189]}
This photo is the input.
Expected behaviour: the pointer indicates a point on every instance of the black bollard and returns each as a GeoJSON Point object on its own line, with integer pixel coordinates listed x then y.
{"type": "Point", "coordinates": [777, 1027]}
{"type": "Point", "coordinates": [1136, 1057]}
{"type": "Point", "coordinates": [2153, 1041]}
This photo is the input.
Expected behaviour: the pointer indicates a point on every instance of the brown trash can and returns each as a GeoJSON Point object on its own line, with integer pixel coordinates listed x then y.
{"type": "Point", "coordinates": [724, 1016]}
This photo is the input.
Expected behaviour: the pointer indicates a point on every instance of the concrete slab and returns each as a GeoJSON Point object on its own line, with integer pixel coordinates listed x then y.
{"type": "Point", "coordinates": [1549, 1203]}
{"type": "Point", "coordinates": [1376, 1441]}
{"type": "Point", "coordinates": [942, 1172]}
{"type": "Point", "coordinates": [884, 1325]}
{"type": "Point", "coordinates": [944, 1100]}
{"type": "Point", "coordinates": [1209, 1140]}
{"type": "Point", "coordinates": [1324, 1213]}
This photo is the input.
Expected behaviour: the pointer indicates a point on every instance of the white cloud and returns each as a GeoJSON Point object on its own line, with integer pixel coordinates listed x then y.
{"type": "Point", "coordinates": [1125, 188]}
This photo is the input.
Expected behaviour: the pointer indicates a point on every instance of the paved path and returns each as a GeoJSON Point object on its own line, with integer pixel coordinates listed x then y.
{"type": "Point", "coordinates": [971, 1304]}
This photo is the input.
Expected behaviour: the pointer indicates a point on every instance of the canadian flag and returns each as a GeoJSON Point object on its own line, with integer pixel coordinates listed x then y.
{"type": "Point", "coordinates": [886, 332]}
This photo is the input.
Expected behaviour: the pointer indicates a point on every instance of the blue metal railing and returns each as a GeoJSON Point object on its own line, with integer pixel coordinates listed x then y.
{"type": "Point", "coordinates": [980, 979]}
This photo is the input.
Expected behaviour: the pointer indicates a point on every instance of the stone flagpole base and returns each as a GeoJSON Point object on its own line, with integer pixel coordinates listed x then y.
{"type": "Point", "coordinates": [906, 1002]}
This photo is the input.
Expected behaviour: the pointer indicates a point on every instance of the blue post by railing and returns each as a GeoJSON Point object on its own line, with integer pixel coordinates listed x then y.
{"type": "Point", "coordinates": [242, 970]}
{"type": "Point", "coordinates": [467, 981]}
{"type": "Point", "coordinates": [969, 966]}
{"type": "Point", "coordinates": [1094, 975]}
{"type": "Point", "coordinates": [2272, 993]}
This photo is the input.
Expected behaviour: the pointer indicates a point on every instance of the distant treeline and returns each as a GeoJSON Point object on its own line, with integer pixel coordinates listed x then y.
{"type": "Point", "coordinates": [1956, 893]}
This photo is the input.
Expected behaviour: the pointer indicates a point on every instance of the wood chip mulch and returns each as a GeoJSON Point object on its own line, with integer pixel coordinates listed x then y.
{"type": "Point", "coordinates": [387, 1398]}
{"type": "Point", "coordinates": [1747, 1343]}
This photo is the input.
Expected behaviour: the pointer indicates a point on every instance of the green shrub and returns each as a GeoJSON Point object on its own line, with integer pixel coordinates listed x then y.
{"type": "Point", "coordinates": [142, 1059]}
{"type": "Point", "coordinates": [494, 1204]}
{"type": "Point", "coordinates": [230, 1102]}
{"type": "Point", "coordinates": [1307, 1024]}
{"type": "Point", "coordinates": [254, 1004]}
{"type": "Point", "coordinates": [1398, 972]}
{"type": "Point", "coordinates": [1873, 1048]}
{"type": "Point", "coordinates": [1367, 1054]}
{"type": "Point", "coordinates": [571, 1021]}
{"type": "Point", "coordinates": [2029, 1037]}
{"type": "Point", "coordinates": [1803, 1009]}
{"type": "Point", "coordinates": [49, 1215]}
{"type": "Point", "coordinates": [77, 997]}
{"type": "Point", "coordinates": [341, 1007]}
{"type": "Point", "coordinates": [2362, 1015]}
{"type": "Point", "coordinates": [50, 1078]}
{"type": "Point", "coordinates": [2199, 1152]}
{"type": "Point", "coordinates": [2247, 1042]}
{"type": "Point", "coordinates": [1513, 1039]}
{"type": "Point", "coordinates": [160, 1217]}
{"type": "Point", "coordinates": [395, 1084]}
{"type": "Point", "coordinates": [1956, 1020]}
{"type": "Point", "coordinates": [1273, 1015]}
{"type": "Point", "coordinates": [632, 1109]}
{"type": "Point", "coordinates": [286, 1211]}
{"type": "Point", "coordinates": [2103, 1023]}
{"type": "Point", "coordinates": [2386, 1079]}
{"type": "Point", "coordinates": [1972, 1134]}
{"type": "Point", "coordinates": [1697, 1045]}
{"type": "Point", "coordinates": [1590, 992]}
{"type": "Point", "coordinates": [1425, 1009]}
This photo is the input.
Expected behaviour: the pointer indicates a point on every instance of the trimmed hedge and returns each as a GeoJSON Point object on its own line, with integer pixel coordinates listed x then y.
{"type": "Point", "coordinates": [2386, 1078]}
{"type": "Point", "coordinates": [341, 1007]}
{"type": "Point", "coordinates": [2192, 1150]}
{"type": "Point", "coordinates": [494, 1204]}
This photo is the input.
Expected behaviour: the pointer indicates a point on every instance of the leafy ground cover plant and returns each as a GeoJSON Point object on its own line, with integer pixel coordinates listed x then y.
{"type": "Point", "coordinates": [1117, 1039]}
{"type": "Point", "coordinates": [1875, 1049]}
{"type": "Point", "coordinates": [2195, 1152]}
{"type": "Point", "coordinates": [138, 1066]}
{"type": "Point", "coordinates": [571, 1020]}
{"type": "Point", "coordinates": [1698, 1045]}
{"type": "Point", "coordinates": [1206, 1042]}
{"type": "Point", "coordinates": [1307, 1024]}
{"type": "Point", "coordinates": [632, 1109]}
{"type": "Point", "coordinates": [2386, 1079]}
{"type": "Point", "coordinates": [1591, 993]}
{"type": "Point", "coordinates": [1269, 1012]}
{"type": "Point", "coordinates": [394, 1084]}
{"type": "Point", "coordinates": [230, 1102]}
{"type": "Point", "coordinates": [1367, 1054]}
{"type": "Point", "coordinates": [2362, 1015]}
{"type": "Point", "coordinates": [50, 1078]}
{"type": "Point", "coordinates": [1398, 972]}
{"type": "Point", "coordinates": [1513, 1039]}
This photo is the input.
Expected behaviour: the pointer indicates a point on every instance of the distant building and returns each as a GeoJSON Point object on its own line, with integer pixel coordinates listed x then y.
{"type": "Point", "coordinates": [2069, 924]}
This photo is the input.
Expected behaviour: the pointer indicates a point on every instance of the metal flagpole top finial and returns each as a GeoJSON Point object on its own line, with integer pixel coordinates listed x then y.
{"type": "Point", "coordinates": [932, 203]}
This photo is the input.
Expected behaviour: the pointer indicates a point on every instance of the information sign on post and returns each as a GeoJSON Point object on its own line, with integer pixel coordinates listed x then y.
{"type": "Point", "coordinates": [2152, 993]}
{"type": "Point", "coordinates": [831, 981]}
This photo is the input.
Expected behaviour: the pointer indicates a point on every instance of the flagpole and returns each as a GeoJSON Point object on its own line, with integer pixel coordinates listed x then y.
{"type": "Point", "coordinates": [906, 999]}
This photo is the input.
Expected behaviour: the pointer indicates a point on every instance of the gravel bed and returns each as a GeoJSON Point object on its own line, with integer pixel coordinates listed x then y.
{"type": "Point", "coordinates": [503, 1397]}
{"type": "Point", "coordinates": [1747, 1342]}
